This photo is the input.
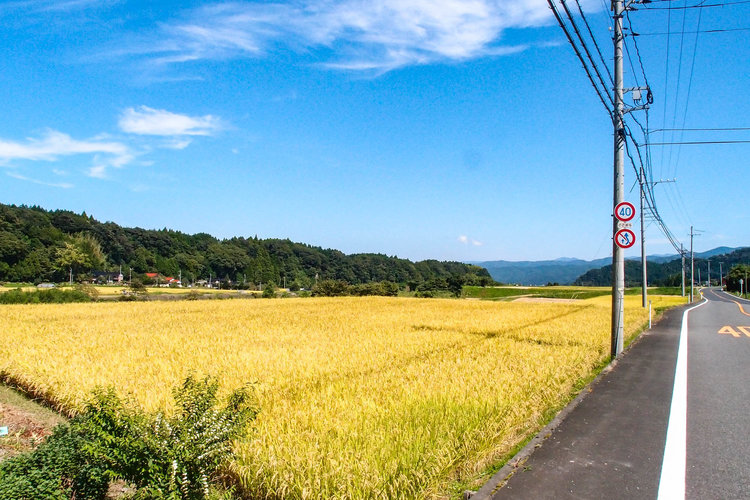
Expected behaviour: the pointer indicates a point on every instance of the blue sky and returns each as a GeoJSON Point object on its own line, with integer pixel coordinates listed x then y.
{"type": "Point", "coordinates": [461, 130]}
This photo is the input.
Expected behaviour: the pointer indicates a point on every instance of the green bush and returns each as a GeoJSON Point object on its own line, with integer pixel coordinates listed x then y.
{"type": "Point", "coordinates": [330, 288]}
{"type": "Point", "coordinates": [384, 288]}
{"type": "Point", "coordinates": [57, 469]}
{"type": "Point", "coordinates": [169, 457]}
{"type": "Point", "coordinates": [269, 292]}
{"type": "Point", "coordinates": [51, 296]}
{"type": "Point", "coordinates": [164, 457]}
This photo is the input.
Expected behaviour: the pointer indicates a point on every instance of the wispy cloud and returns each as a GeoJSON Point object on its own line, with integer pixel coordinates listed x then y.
{"type": "Point", "coordinates": [53, 5]}
{"type": "Point", "coordinates": [149, 121]}
{"type": "Point", "coordinates": [350, 34]}
{"type": "Point", "coordinates": [174, 131]}
{"type": "Point", "coordinates": [55, 144]}
{"type": "Point", "coordinates": [63, 185]}
{"type": "Point", "coordinates": [466, 241]}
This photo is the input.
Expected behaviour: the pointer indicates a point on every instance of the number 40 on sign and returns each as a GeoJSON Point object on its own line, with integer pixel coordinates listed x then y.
{"type": "Point", "coordinates": [625, 211]}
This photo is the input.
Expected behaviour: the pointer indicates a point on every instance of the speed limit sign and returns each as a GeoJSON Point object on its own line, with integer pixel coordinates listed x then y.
{"type": "Point", "coordinates": [624, 211]}
{"type": "Point", "coordinates": [625, 238]}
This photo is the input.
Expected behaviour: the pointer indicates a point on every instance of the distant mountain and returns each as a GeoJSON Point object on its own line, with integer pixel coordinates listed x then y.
{"type": "Point", "coordinates": [669, 273]}
{"type": "Point", "coordinates": [566, 270]}
{"type": "Point", "coordinates": [563, 271]}
{"type": "Point", "coordinates": [700, 255]}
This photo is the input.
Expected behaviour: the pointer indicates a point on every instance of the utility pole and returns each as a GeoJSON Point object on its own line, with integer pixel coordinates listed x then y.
{"type": "Point", "coordinates": [618, 260]}
{"type": "Point", "coordinates": [692, 262]}
{"type": "Point", "coordinates": [644, 263]}
{"type": "Point", "coordinates": [682, 254]}
{"type": "Point", "coordinates": [643, 182]}
{"type": "Point", "coordinates": [709, 273]}
{"type": "Point", "coordinates": [721, 276]}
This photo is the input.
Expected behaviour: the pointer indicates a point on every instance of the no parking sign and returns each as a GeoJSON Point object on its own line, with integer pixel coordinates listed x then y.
{"type": "Point", "coordinates": [625, 238]}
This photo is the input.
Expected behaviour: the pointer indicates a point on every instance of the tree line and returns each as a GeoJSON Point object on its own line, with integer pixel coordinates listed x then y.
{"type": "Point", "coordinates": [670, 273]}
{"type": "Point", "coordinates": [38, 245]}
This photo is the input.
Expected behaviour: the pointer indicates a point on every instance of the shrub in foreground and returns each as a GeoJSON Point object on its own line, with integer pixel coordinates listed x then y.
{"type": "Point", "coordinates": [167, 457]}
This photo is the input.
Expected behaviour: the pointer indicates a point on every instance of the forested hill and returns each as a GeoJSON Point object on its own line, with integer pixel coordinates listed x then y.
{"type": "Point", "coordinates": [668, 273]}
{"type": "Point", "coordinates": [40, 245]}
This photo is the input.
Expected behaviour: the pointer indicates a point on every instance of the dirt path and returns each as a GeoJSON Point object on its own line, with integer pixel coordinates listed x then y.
{"type": "Point", "coordinates": [28, 422]}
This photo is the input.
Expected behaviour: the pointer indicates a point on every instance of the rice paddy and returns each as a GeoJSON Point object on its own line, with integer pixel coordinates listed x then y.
{"type": "Point", "coordinates": [360, 397]}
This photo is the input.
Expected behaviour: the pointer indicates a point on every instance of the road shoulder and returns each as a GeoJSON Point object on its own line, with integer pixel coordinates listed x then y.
{"type": "Point", "coordinates": [608, 439]}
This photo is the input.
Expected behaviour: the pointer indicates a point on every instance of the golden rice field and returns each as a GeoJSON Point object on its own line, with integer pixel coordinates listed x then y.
{"type": "Point", "coordinates": [360, 397]}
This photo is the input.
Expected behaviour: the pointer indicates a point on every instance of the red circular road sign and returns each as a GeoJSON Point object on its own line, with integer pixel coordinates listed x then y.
{"type": "Point", "coordinates": [625, 238]}
{"type": "Point", "coordinates": [624, 211]}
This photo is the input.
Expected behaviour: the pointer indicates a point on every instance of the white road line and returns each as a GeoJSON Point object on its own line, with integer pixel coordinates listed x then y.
{"type": "Point", "coordinates": [672, 481]}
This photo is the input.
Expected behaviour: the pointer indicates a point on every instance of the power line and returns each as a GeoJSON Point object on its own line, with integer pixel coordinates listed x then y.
{"type": "Point", "coordinates": [593, 38]}
{"type": "Point", "coordinates": [697, 142]}
{"type": "Point", "coordinates": [690, 85]}
{"type": "Point", "coordinates": [637, 50]}
{"type": "Point", "coordinates": [677, 90]}
{"type": "Point", "coordinates": [580, 56]}
{"type": "Point", "coordinates": [586, 49]}
{"type": "Point", "coordinates": [692, 32]}
{"type": "Point", "coordinates": [699, 6]}
{"type": "Point", "coordinates": [726, 129]}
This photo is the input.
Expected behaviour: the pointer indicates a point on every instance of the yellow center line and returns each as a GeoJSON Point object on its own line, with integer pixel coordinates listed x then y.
{"type": "Point", "coordinates": [741, 309]}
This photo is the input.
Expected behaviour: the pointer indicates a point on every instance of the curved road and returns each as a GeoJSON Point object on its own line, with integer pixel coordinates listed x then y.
{"type": "Point", "coordinates": [671, 420]}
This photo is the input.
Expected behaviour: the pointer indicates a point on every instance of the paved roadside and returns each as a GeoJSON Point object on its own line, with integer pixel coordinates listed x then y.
{"type": "Point", "coordinates": [611, 444]}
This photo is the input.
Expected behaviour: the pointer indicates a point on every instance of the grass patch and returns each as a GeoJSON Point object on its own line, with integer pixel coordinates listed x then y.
{"type": "Point", "coordinates": [549, 292]}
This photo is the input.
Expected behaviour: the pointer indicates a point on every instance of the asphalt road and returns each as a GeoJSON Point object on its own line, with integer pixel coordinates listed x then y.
{"type": "Point", "coordinates": [670, 420]}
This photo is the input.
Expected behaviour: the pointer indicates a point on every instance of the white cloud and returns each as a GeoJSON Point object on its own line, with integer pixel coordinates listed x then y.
{"type": "Point", "coordinates": [149, 121]}
{"type": "Point", "coordinates": [177, 144]}
{"type": "Point", "coordinates": [55, 144]}
{"type": "Point", "coordinates": [63, 185]}
{"type": "Point", "coordinates": [98, 172]}
{"type": "Point", "coordinates": [466, 240]}
{"type": "Point", "coordinates": [363, 34]}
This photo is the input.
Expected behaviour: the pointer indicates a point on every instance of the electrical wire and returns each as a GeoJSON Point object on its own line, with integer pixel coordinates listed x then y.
{"type": "Point", "coordinates": [725, 129]}
{"type": "Point", "coordinates": [594, 66]}
{"type": "Point", "coordinates": [580, 56]}
{"type": "Point", "coordinates": [593, 38]}
{"type": "Point", "coordinates": [702, 5]}
{"type": "Point", "coordinates": [695, 32]}
{"type": "Point", "coordinates": [697, 142]}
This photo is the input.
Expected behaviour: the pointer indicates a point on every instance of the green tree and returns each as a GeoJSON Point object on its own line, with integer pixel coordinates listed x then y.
{"type": "Point", "coordinates": [737, 273]}
{"type": "Point", "coordinates": [70, 257]}
{"type": "Point", "coordinates": [330, 288]}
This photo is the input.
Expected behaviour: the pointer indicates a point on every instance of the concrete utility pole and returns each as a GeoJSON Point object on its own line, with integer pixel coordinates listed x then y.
{"type": "Point", "coordinates": [618, 260]}
{"type": "Point", "coordinates": [682, 254]}
{"type": "Point", "coordinates": [644, 263]}
{"type": "Point", "coordinates": [709, 273]}
{"type": "Point", "coordinates": [643, 182]}
{"type": "Point", "coordinates": [692, 264]}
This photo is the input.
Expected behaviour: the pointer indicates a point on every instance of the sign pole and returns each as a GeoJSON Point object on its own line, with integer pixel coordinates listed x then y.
{"type": "Point", "coordinates": [618, 260]}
